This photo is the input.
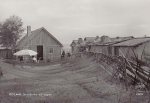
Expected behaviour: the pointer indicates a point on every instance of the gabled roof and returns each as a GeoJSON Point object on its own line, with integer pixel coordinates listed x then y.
{"type": "Point", "coordinates": [21, 36]}
{"type": "Point", "coordinates": [26, 38]}
{"type": "Point", "coordinates": [133, 42]}
{"type": "Point", "coordinates": [77, 43]}
{"type": "Point", "coordinates": [74, 41]}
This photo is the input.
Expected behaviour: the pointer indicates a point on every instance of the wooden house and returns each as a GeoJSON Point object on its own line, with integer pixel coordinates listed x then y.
{"type": "Point", "coordinates": [100, 45]}
{"type": "Point", "coordinates": [89, 40]}
{"type": "Point", "coordinates": [134, 48]}
{"type": "Point", "coordinates": [43, 42]}
{"type": "Point", "coordinates": [103, 45]}
{"type": "Point", "coordinates": [77, 46]}
{"type": "Point", "coordinates": [74, 47]}
{"type": "Point", "coordinates": [5, 53]}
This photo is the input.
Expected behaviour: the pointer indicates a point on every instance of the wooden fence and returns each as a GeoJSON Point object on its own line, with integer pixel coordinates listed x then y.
{"type": "Point", "coordinates": [127, 68]}
{"type": "Point", "coordinates": [6, 53]}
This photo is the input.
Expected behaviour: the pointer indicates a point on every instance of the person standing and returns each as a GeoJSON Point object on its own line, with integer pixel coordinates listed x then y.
{"type": "Point", "coordinates": [63, 54]}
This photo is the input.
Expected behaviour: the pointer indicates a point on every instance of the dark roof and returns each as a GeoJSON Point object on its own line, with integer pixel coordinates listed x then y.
{"type": "Point", "coordinates": [26, 38]}
{"type": "Point", "coordinates": [2, 47]}
{"type": "Point", "coordinates": [110, 41]}
{"type": "Point", "coordinates": [133, 42]}
{"type": "Point", "coordinates": [121, 38]}
{"type": "Point", "coordinates": [89, 39]}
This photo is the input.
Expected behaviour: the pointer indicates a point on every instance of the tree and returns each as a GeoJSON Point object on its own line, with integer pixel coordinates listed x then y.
{"type": "Point", "coordinates": [10, 30]}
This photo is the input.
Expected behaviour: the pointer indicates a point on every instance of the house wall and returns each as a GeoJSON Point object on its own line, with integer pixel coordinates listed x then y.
{"type": "Point", "coordinates": [5, 54]}
{"type": "Point", "coordinates": [43, 38]}
{"type": "Point", "coordinates": [140, 51]}
{"type": "Point", "coordinates": [126, 51]}
{"type": "Point", "coordinates": [74, 48]}
{"type": "Point", "coordinates": [143, 51]}
{"type": "Point", "coordinates": [99, 49]}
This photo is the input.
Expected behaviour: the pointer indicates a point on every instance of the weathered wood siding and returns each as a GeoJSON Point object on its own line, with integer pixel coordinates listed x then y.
{"type": "Point", "coordinates": [44, 39]}
{"type": "Point", "coordinates": [6, 53]}
{"type": "Point", "coordinates": [99, 49]}
{"type": "Point", "coordinates": [126, 51]}
{"type": "Point", "coordinates": [140, 51]}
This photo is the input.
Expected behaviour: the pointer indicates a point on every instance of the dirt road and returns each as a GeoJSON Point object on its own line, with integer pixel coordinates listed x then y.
{"type": "Point", "coordinates": [71, 81]}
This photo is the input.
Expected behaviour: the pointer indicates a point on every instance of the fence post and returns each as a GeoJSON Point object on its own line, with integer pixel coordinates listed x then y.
{"type": "Point", "coordinates": [148, 79]}
{"type": "Point", "coordinates": [125, 73]}
{"type": "Point", "coordinates": [136, 72]}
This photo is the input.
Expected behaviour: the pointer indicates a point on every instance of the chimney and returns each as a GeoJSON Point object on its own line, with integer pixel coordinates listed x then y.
{"type": "Point", "coordinates": [97, 37]}
{"type": "Point", "coordinates": [80, 40]}
{"type": "Point", "coordinates": [28, 30]}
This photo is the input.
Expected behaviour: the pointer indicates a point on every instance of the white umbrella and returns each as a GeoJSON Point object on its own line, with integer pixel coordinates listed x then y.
{"type": "Point", "coordinates": [25, 52]}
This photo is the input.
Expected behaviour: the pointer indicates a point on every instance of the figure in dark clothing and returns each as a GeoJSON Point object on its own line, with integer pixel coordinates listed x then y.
{"type": "Point", "coordinates": [20, 58]}
{"type": "Point", "coordinates": [63, 54]}
{"type": "Point", "coordinates": [69, 54]}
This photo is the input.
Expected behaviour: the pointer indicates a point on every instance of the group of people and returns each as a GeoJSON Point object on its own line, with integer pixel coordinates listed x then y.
{"type": "Point", "coordinates": [63, 55]}
{"type": "Point", "coordinates": [33, 58]}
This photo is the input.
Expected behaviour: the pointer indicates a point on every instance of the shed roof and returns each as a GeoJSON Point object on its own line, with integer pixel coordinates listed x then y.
{"type": "Point", "coordinates": [121, 38]}
{"type": "Point", "coordinates": [133, 42]}
{"type": "Point", "coordinates": [110, 41]}
{"type": "Point", "coordinates": [27, 38]}
{"type": "Point", "coordinates": [89, 39]}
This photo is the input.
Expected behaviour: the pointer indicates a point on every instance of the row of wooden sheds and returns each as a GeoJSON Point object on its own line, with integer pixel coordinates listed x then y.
{"type": "Point", "coordinates": [130, 47]}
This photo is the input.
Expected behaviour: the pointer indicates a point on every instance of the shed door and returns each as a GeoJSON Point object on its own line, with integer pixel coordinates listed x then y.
{"type": "Point", "coordinates": [40, 52]}
{"type": "Point", "coordinates": [110, 50]}
{"type": "Point", "coordinates": [89, 48]}
{"type": "Point", "coordinates": [116, 51]}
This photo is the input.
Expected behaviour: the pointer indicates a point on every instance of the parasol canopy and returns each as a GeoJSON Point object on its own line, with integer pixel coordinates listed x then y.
{"type": "Point", "coordinates": [25, 52]}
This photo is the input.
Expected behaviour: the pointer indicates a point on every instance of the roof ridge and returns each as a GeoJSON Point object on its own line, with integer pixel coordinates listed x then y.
{"type": "Point", "coordinates": [30, 36]}
{"type": "Point", "coordinates": [33, 33]}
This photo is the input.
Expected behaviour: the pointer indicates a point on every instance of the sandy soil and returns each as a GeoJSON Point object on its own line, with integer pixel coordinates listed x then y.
{"type": "Point", "coordinates": [71, 81]}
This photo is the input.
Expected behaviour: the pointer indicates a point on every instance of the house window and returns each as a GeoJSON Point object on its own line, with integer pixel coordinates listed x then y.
{"type": "Point", "coordinates": [51, 50]}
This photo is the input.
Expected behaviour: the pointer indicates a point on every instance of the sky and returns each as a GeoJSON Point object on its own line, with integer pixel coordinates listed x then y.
{"type": "Point", "coordinates": [69, 20]}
